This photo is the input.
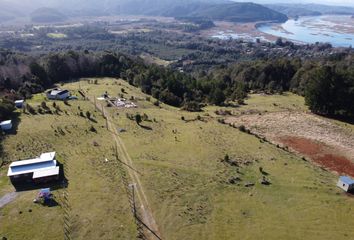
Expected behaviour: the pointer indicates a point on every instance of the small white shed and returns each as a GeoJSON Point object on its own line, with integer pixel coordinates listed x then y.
{"type": "Point", "coordinates": [6, 125]}
{"type": "Point", "coordinates": [19, 103]}
{"type": "Point", "coordinates": [346, 183]}
{"type": "Point", "coordinates": [58, 94]}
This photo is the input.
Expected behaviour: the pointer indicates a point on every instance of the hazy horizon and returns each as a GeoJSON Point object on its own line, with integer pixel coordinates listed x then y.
{"type": "Point", "coordinates": [59, 3]}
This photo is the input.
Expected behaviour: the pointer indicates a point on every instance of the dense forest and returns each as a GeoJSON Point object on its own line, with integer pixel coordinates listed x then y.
{"type": "Point", "coordinates": [328, 85]}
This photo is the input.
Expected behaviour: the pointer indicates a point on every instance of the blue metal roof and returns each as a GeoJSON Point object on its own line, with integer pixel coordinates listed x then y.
{"type": "Point", "coordinates": [347, 180]}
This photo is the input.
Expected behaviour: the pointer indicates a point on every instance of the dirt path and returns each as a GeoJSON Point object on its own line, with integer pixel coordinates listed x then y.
{"type": "Point", "coordinates": [7, 198]}
{"type": "Point", "coordinates": [145, 210]}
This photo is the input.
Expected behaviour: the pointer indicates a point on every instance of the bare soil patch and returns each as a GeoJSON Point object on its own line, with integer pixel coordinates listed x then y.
{"type": "Point", "coordinates": [320, 154]}
{"type": "Point", "coordinates": [326, 143]}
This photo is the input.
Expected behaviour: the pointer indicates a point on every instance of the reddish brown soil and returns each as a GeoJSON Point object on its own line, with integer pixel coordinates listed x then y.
{"type": "Point", "coordinates": [320, 154]}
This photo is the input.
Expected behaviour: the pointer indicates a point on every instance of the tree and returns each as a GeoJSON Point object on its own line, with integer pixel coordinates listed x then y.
{"type": "Point", "coordinates": [88, 115]}
{"type": "Point", "coordinates": [319, 93]}
{"type": "Point", "coordinates": [217, 97]}
{"type": "Point", "coordinates": [138, 119]}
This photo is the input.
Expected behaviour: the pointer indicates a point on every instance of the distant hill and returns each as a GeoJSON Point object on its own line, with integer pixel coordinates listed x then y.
{"type": "Point", "coordinates": [52, 10]}
{"type": "Point", "coordinates": [47, 15]}
{"type": "Point", "coordinates": [222, 10]}
{"type": "Point", "coordinates": [9, 11]}
{"type": "Point", "coordinates": [292, 10]}
{"type": "Point", "coordinates": [238, 12]}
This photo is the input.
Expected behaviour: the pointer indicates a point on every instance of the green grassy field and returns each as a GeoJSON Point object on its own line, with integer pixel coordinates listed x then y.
{"type": "Point", "coordinates": [186, 182]}
{"type": "Point", "coordinates": [98, 203]}
{"type": "Point", "coordinates": [188, 187]}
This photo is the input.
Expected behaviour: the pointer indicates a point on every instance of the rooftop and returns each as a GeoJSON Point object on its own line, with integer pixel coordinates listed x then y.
{"type": "Point", "coordinates": [46, 173]}
{"type": "Point", "coordinates": [5, 122]}
{"type": "Point", "coordinates": [19, 101]}
{"type": "Point", "coordinates": [44, 165]}
{"type": "Point", "coordinates": [31, 168]}
{"type": "Point", "coordinates": [45, 157]}
{"type": "Point", "coordinates": [57, 91]}
{"type": "Point", "coordinates": [347, 180]}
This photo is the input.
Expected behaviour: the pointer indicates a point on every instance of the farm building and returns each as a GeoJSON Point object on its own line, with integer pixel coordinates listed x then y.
{"type": "Point", "coordinates": [6, 125]}
{"type": "Point", "coordinates": [58, 94]}
{"type": "Point", "coordinates": [346, 183]}
{"type": "Point", "coordinates": [19, 103]}
{"type": "Point", "coordinates": [39, 170]}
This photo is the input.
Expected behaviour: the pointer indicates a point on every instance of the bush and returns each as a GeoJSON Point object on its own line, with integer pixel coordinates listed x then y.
{"type": "Point", "coordinates": [88, 115]}
{"type": "Point", "coordinates": [192, 106]}
{"type": "Point", "coordinates": [93, 129]}
{"type": "Point", "coordinates": [242, 128]}
{"type": "Point", "coordinates": [157, 103]}
{"type": "Point", "coordinates": [30, 109]}
{"type": "Point", "coordinates": [138, 118]}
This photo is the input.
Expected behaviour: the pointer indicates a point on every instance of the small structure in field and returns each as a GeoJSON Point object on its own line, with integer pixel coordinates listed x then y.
{"type": "Point", "coordinates": [19, 103]}
{"type": "Point", "coordinates": [123, 103]}
{"type": "Point", "coordinates": [58, 94]}
{"type": "Point", "coordinates": [44, 196]}
{"type": "Point", "coordinates": [346, 183]}
{"type": "Point", "coordinates": [38, 170]}
{"type": "Point", "coordinates": [6, 125]}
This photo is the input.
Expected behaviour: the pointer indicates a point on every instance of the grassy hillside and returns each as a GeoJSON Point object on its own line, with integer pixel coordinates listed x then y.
{"type": "Point", "coordinates": [178, 155]}
{"type": "Point", "coordinates": [189, 187]}
{"type": "Point", "coordinates": [98, 205]}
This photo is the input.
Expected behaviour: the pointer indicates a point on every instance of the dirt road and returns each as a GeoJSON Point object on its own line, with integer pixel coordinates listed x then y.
{"type": "Point", "coordinates": [7, 198]}
{"type": "Point", "coordinates": [145, 210]}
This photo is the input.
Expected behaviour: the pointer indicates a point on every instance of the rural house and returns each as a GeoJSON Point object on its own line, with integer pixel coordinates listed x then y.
{"type": "Point", "coordinates": [346, 183]}
{"type": "Point", "coordinates": [19, 103]}
{"type": "Point", "coordinates": [58, 94]}
{"type": "Point", "coordinates": [39, 170]}
{"type": "Point", "coordinates": [6, 125]}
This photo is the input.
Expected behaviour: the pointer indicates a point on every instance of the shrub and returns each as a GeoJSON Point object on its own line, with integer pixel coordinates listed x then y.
{"type": "Point", "coordinates": [88, 115]}
{"type": "Point", "coordinates": [242, 128]}
{"type": "Point", "coordinates": [30, 109]}
{"type": "Point", "coordinates": [44, 105]}
{"type": "Point", "coordinates": [93, 129]}
{"type": "Point", "coordinates": [138, 118]}
{"type": "Point", "coordinates": [157, 103]}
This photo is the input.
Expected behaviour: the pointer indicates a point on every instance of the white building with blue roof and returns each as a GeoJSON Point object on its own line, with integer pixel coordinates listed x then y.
{"type": "Point", "coordinates": [346, 183]}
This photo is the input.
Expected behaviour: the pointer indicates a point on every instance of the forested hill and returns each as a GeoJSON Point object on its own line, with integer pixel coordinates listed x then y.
{"type": "Point", "coordinates": [235, 12]}
{"type": "Point", "coordinates": [293, 10]}
{"type": "Point", "coordinates": [212, 9]}
{"type": "Point", "coordinates": [328, 84]}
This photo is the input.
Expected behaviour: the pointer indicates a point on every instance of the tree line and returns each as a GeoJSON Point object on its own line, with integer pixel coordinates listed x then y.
{"type": "Point", "coordinates": [327, 84]}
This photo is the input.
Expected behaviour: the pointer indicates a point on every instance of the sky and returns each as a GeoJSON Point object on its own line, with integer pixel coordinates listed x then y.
{"type": "Point", "coordinates": [328, 2]}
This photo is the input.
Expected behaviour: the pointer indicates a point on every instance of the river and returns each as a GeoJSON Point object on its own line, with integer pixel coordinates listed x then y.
{"type": "Point", "coordinates": [337, 30]}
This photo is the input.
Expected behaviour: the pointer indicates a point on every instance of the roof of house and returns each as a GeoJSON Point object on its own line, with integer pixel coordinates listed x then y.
{"type": "Point", "coordinates": [347, 180]}
{"type": "Point", "coordinates": [45, 157]}
{"type": "Point", "coordinates": [19, 101]}
{"type": "Point", "coordinates": [57, 92]}
{"type": "Point", "coordinates": [46, 173]}
{"type": "Point", "coordinates": [5, 122]}
{"type": "Point", "coordinates": [31, 168]}
{"type": "Point", "coordinates": [48, 155]}
{"type": "Point", "coordinates": [45, 162]}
